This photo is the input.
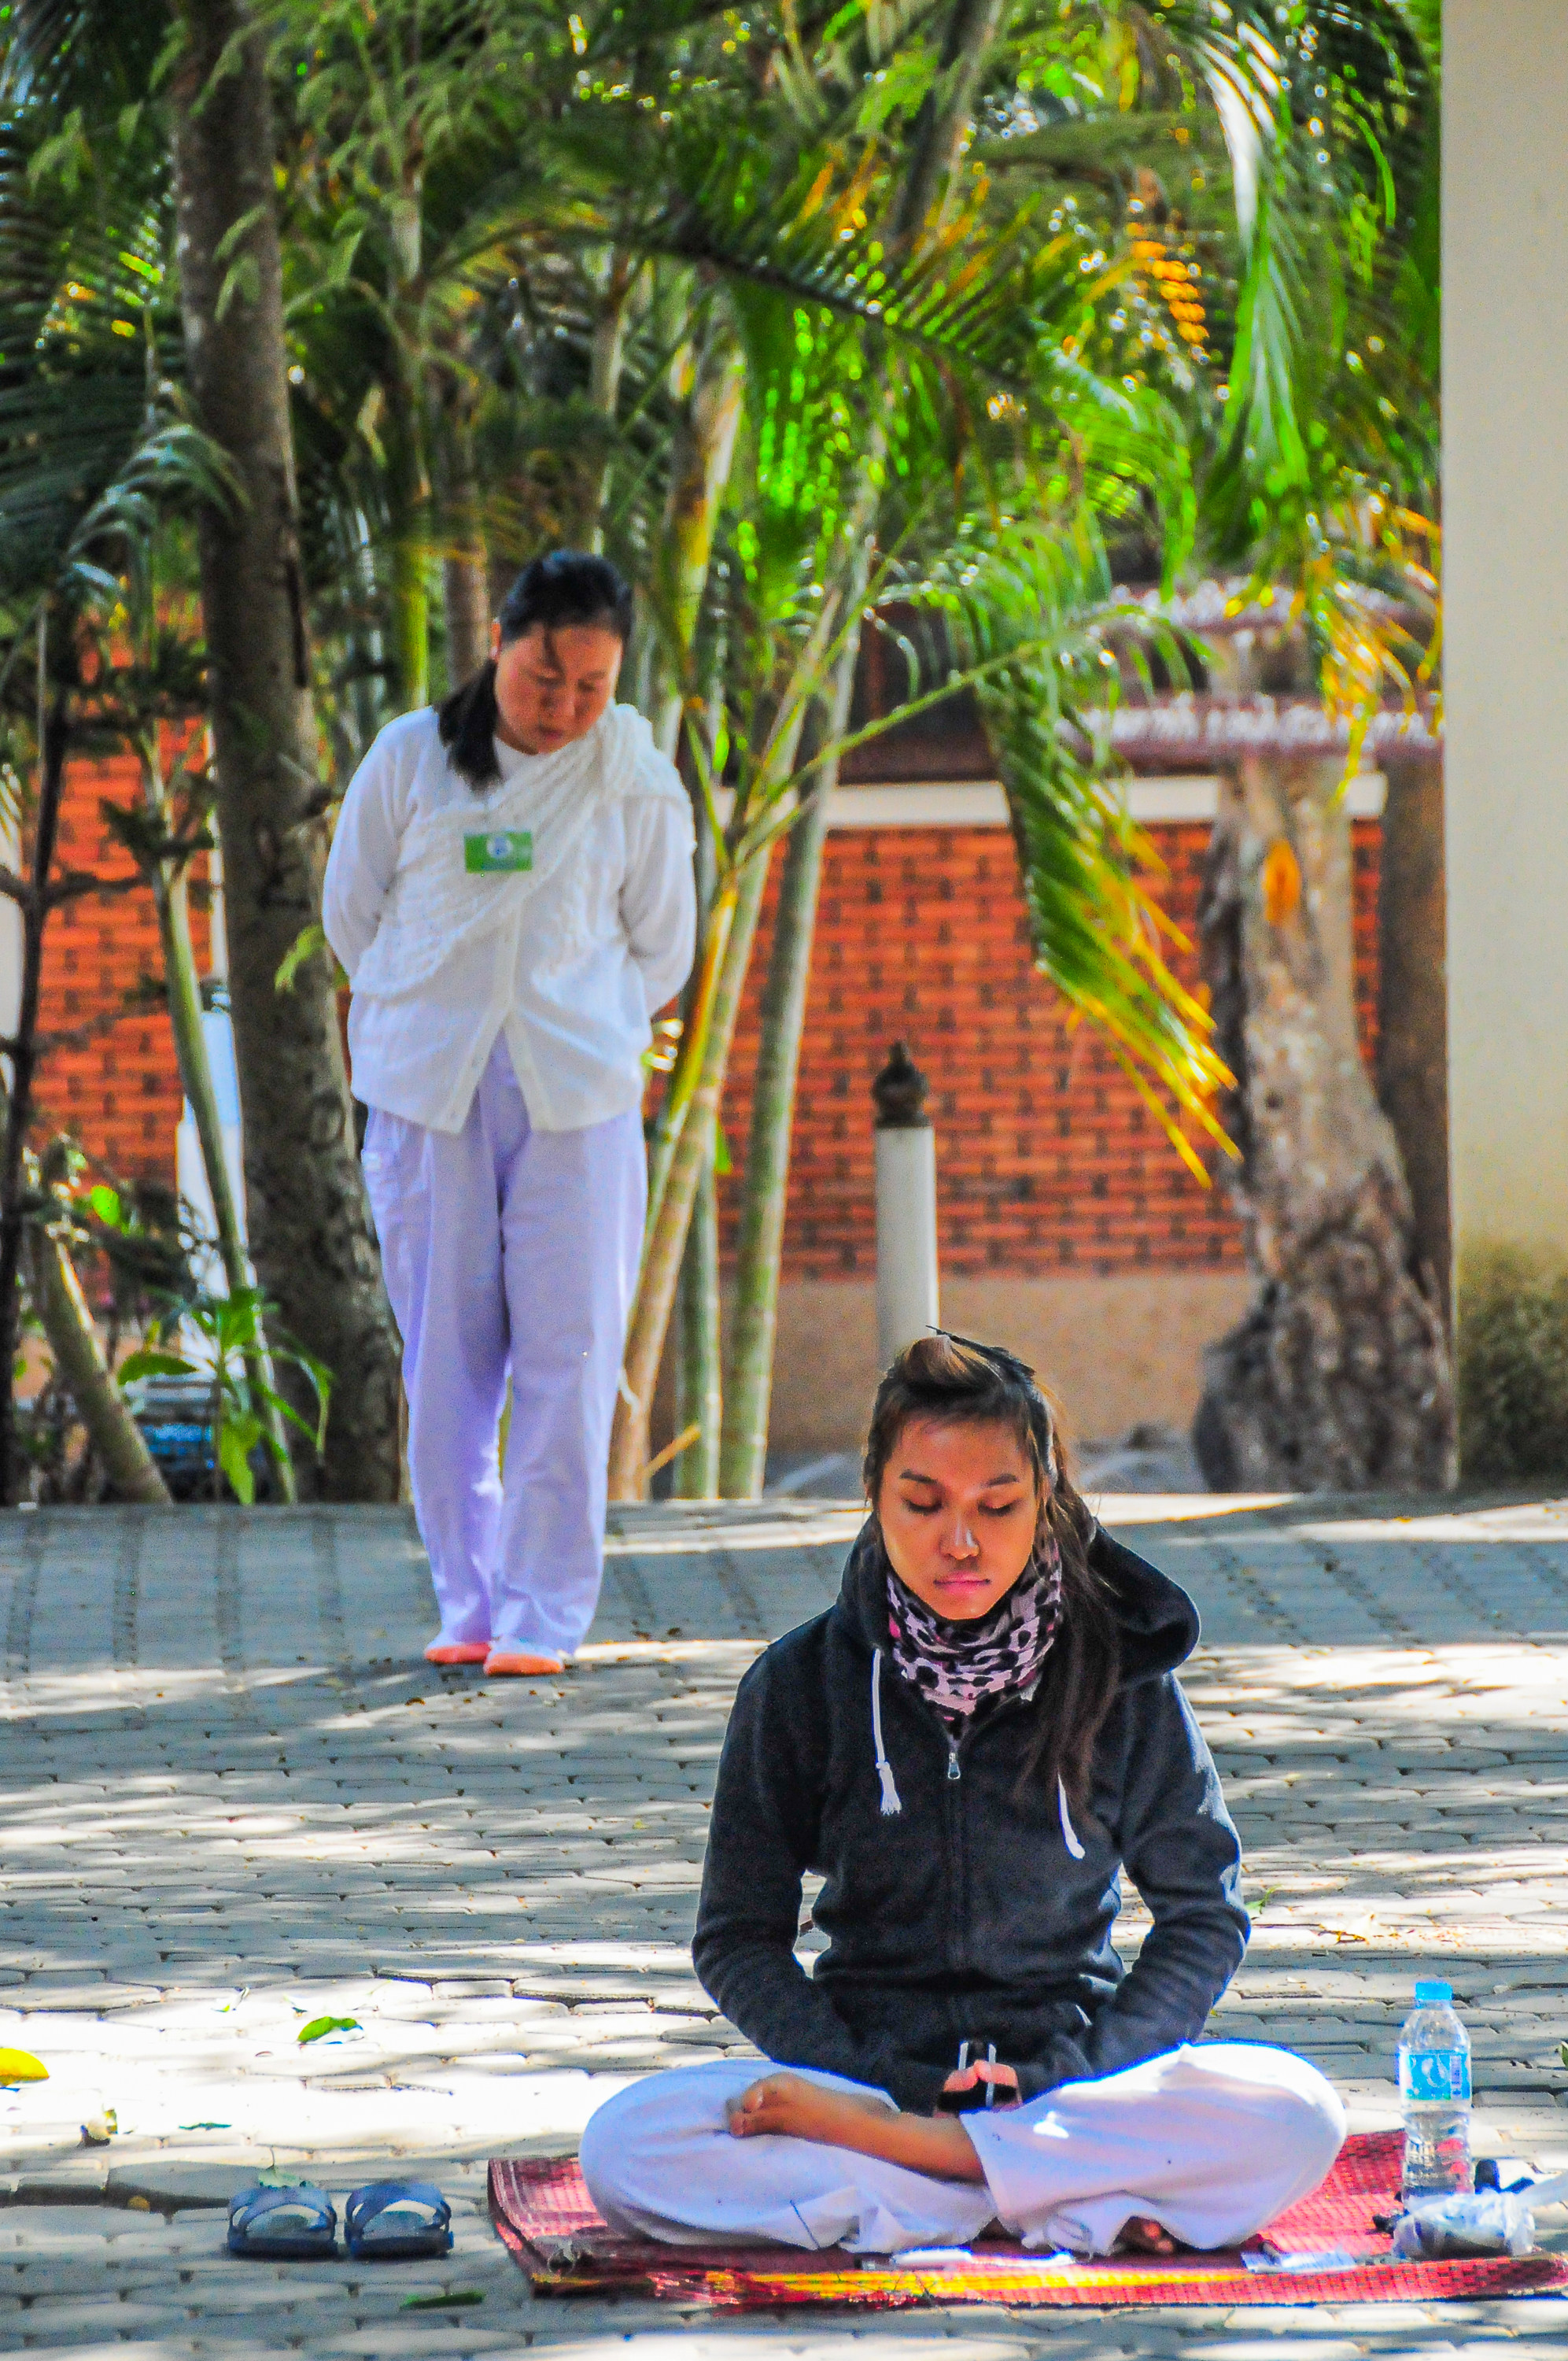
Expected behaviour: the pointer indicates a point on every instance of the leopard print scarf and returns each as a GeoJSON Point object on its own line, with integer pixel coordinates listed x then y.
{"type": "Point", "coordinates": [954, 1667]}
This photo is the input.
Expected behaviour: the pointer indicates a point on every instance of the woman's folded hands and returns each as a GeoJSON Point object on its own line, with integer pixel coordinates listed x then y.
{"type": "Point", "coordinates": [860, 2120]}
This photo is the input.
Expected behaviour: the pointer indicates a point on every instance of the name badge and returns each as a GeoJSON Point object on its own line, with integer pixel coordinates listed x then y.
{"type": "Point", "coordinates": [508, 848]}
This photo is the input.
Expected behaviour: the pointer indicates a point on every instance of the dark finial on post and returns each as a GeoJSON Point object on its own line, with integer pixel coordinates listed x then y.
{"type": "Point", "coordinates": [900, 1093]}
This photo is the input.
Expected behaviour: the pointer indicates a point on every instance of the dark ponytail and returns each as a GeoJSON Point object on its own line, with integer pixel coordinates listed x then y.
{"type": "Point", "coordinates": [950, 1378]}
{"type": "Point", "coordinates": [561, 588]}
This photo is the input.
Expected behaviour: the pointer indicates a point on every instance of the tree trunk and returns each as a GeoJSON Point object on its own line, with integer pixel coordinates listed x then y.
{"type": "Point", "coordinates": [54, 736]}
{"type": "Point", "coordinates": [310, 1227]}
{"type": "Point", "coordinates": [67, 1319]}
{"type": "Point", "coordinates": [1412, 1006]}
{"type": "Point", "coordinates": [465, 582]}
{"type": "Point", "coordinates": [1338, 1379]}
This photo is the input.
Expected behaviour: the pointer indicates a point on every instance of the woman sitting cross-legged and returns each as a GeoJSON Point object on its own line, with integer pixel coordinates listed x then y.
{"type": "Point", "coordinates": [969, 1747]}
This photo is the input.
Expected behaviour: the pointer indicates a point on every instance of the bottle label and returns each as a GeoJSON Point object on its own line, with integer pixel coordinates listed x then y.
{"type": "Point", "coordinates": [1433, 2076]}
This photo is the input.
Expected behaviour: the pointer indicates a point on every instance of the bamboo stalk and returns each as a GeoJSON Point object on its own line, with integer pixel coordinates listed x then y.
{"type": "Point", "coordinates": [667, 1232]}
{"type": "Point", "coordinates": [764, 1197]}
{"type": "Point", "coordinates": [170, 893]}
{"type": "Point", "coordinates": [699, 471]}
{"type": "Point", "coordinates": [748, 1389]}
{"type": "Point", "coordinates": [607, 354]}
{"type": "Point", "coordinates": [411, 607]}
{"type": "Point", "coordinates": [700, 1372]}
{"type": "Point", "coordinates": [747, 1385]}
{"type": "Point", "coordinates": [465, 585]}
{"type": "Point", "coordinates": [54, 743]}
{"type": "Point", "coordinates": [63, 1307]}
{"type": "Point", "coordinates": [699, 1354]}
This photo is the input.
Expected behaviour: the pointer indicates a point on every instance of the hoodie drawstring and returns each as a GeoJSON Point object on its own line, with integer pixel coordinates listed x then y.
{"type": "Point", "coordinates": [891, 1802]}
{"type": "Point", "coordinates": [1069, 1834]}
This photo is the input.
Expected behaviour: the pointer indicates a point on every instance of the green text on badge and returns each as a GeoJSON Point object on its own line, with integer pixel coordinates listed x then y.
{"type": "Point", "coordinates": [507, 848]}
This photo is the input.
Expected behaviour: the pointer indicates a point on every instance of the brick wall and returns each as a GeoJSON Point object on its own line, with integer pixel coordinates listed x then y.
{"type": "Point", "coordinates": [1048, 1161]}
{"type": "Point", "coordinates": [113, 1085]}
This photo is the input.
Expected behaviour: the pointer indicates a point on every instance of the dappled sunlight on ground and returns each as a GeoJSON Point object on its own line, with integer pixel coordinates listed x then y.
{"type": "Point", "coordinates": [236, 1799]}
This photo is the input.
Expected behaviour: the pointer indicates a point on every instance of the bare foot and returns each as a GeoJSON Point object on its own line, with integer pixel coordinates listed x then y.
{"type": "Point", "coordinates": [1143, 2237]}
{"type": "Point", "coordinates": [789, 2103]}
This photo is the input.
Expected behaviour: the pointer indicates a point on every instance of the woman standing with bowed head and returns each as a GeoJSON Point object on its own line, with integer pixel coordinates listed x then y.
{"type": "Point", "coordinates": [510, 890]}
{"type": "Point", "coordinates": [970, 1749]}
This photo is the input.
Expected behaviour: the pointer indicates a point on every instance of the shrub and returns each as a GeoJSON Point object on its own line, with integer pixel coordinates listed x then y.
{"type": "Point", "coordinates": [1513, 1367]}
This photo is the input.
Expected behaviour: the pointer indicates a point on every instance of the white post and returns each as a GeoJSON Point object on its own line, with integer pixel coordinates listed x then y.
{"type": "Point", "coordinates": [906, 1281]}
{"type": "Point", "coordinates": [1505, 134]}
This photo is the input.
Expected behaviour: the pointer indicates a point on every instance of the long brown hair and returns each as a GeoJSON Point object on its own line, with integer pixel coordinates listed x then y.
{"type": "Point", "coordinates": [950, 1378]}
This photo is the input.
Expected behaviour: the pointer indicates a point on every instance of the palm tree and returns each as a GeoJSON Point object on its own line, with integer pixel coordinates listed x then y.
{"type": "Point", "coordinates": [1320, 478]}
{"type": "Point", "coordinates": [98, 63]}
{"type": "Point", "coordinates": [310, 1221]}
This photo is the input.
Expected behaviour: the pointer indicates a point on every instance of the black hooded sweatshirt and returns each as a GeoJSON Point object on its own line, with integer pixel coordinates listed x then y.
{"type": "Point", "coordinates": [971, 1912]}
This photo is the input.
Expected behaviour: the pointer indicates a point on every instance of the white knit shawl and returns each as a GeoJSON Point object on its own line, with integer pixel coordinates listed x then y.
{"type": "Point", "coordinates": [436, 907]}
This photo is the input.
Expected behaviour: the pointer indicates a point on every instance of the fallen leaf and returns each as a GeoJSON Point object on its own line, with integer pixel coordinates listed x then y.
{"type": "Point", "coordinates": [441, 2302]}
{"type": "Point", "coordinates": [21, 2066]}
{"type": "Point", "coordinates": [320, 2027]}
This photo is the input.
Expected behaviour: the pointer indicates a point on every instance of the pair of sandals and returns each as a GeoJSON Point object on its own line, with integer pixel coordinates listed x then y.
{"type": "Point", "coordinates": [517, 1662]}
{"type": "Point", "coordinates": [391, 2222]}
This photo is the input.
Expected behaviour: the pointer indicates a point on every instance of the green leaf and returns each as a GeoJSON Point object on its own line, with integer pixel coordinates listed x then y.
{"type": "Point", "coordinates": [306, 945]}
{"type": "Point", "coordinates": [237, 1438]}
{"type": "Point", "coordinates": [150, 1364]}
{"type": "Point", "coordinates": [319, 2026]}
{"type": "Point", "coordinates": [106, 1203]}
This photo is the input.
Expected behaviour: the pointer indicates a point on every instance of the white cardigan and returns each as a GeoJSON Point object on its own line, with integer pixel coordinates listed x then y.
{"type": "Point", "coordinates": [570, 964]}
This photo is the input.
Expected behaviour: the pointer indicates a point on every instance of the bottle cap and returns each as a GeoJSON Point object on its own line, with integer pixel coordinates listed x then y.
{"type": "Point", "coordinates": [1433, 1992]}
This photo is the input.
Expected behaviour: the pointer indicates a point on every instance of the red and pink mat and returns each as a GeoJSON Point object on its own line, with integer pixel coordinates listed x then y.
{"type": "Point", "coordinates": [544, 2211]}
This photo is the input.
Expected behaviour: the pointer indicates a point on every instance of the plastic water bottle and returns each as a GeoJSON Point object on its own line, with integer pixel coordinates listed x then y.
{"type": "Point", "coordinates": [1434, 2097]}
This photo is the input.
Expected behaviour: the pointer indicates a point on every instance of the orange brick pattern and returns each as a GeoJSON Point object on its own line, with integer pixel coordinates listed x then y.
{"type": "Point", "coordinates": [1048, 1160]}
{"type": "Point", "coordinates": [115, 1087]}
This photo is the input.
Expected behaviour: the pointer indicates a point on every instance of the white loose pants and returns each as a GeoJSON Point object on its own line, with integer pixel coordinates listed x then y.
{"type": "Point", "coordinates": [509, 1248]}
{"type": "Point", "coordinates": [1213, 2142]}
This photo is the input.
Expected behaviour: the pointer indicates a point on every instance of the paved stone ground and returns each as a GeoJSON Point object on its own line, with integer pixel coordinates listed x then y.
{"type": "Point", "coordinates": [234, 1797]}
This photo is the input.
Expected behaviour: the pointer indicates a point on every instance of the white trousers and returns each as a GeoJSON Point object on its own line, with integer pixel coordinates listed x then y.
{"type": "Point", "coordinates": [1213, 2142]}
{"type": "Point", "coordinates": [507, 1249]}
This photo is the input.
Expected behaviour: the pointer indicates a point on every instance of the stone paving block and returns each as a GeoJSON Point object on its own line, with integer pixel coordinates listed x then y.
{"type": "Point", "coordinates": [327, 1825]}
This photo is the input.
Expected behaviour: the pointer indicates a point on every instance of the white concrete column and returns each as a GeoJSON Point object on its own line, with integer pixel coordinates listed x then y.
{"type": "Point", "coordinates": [1504, 278]}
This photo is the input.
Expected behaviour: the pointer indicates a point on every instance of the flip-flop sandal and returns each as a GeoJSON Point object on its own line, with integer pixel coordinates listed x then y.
{"type": "Point", "coordinates": [393, 2221]}
{"type": "Point", "coordinates": [520, 1661]}
{"type": "Point", "coordinates": [457, 1651]}
{"type": "Point", "coordinates": [283, 2224]}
